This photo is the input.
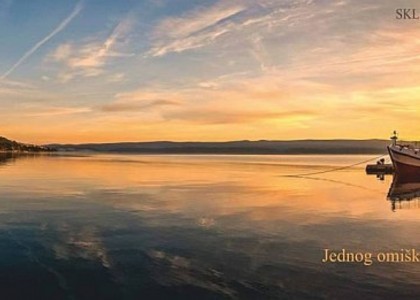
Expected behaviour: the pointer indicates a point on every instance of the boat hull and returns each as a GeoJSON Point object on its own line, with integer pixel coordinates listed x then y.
{"type": "Point", "coordinates": [405, 164]}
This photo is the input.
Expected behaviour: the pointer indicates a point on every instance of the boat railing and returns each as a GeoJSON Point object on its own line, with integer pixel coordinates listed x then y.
{"type": "Point", "coordinates": [409, 145]}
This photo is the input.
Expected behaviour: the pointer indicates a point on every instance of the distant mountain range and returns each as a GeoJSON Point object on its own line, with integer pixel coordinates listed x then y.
{"type": "Point", "coordinates": [7, 145]}
{"type": "Point", "coordinates": [373, 146]}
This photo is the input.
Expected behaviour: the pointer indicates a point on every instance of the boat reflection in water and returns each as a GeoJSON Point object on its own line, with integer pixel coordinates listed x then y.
{"type": "Point", "coordinates": [404, 192]}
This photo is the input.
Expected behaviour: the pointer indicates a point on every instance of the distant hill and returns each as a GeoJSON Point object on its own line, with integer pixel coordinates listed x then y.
{"type": "Point", "coordinates": [373, 146]}
{"type": "Point", "coordinates": [7, 145]}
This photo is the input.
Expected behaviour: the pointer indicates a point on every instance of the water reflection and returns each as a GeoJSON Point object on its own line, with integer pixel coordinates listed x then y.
{"type": "Point", "coordinates": [9, 158]}
{"type": "Point", "coordinates": [179, 227]}
{"type": "Point", "coordinates": [404, 192]}
{"type": "Point", "coordinates": [6, 157]}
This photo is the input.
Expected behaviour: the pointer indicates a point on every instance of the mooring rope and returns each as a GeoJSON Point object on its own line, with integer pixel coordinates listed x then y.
{"type": "Point", "coordinates": [341, 182]}
{"type": "Point", "coordinates": [335, 169]}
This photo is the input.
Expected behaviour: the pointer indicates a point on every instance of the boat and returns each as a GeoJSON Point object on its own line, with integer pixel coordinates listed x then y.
{"type": "Point", "coordinates": [405, 158]}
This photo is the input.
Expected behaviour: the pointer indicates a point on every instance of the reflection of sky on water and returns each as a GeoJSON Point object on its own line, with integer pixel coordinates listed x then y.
{"type": "Point", "coordinates": [202, 227]}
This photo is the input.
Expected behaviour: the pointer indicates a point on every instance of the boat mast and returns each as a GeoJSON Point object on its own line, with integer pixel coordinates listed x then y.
{"type": "Point", "coordinates": [394, 138]}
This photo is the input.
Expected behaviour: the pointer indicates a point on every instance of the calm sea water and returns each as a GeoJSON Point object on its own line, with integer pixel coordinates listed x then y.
{"type": "Point", "coordinates": [199, 227]}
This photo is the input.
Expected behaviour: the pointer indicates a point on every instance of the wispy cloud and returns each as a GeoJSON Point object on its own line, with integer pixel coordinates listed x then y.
{"type": "Point", "coordinates": [15, 84]}
{"type": "Point", "coordinates": [140, 101]}
{"type": "Point", "coordinates": [196, 21]}
{"type": "Point", "coordinates": [58, 111]}
{"type": "Point", "coordinates": [135, 107]}
{"type": "Point", "coordinates": [117, 77]}
{"type": "Point", "coordinates": [238, 21]}
{"type": "Point", "coordinates": [208, 116]}
{"type": "Point", "coordinates": [88, 60]}
{"type": "Point", "coordinates": [77, 9]}
{"type": "Point", "coordinates": [10, 89]}
{"type": "Point", "coordinates": [254, 100]}
{"type": "Point", "coordinates": [193, 30]}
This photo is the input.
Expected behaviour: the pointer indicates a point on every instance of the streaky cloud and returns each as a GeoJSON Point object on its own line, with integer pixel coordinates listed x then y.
{"type": "Point", "coordinates": [194, 30]}
{"type": "Point", "coordinates": [77, 9]}
{"type": "Point", "coordinates": [89, 60]}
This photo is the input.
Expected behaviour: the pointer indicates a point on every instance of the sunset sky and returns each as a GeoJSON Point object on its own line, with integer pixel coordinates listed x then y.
{"type": "Point", "coordinates": [127, 70]}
